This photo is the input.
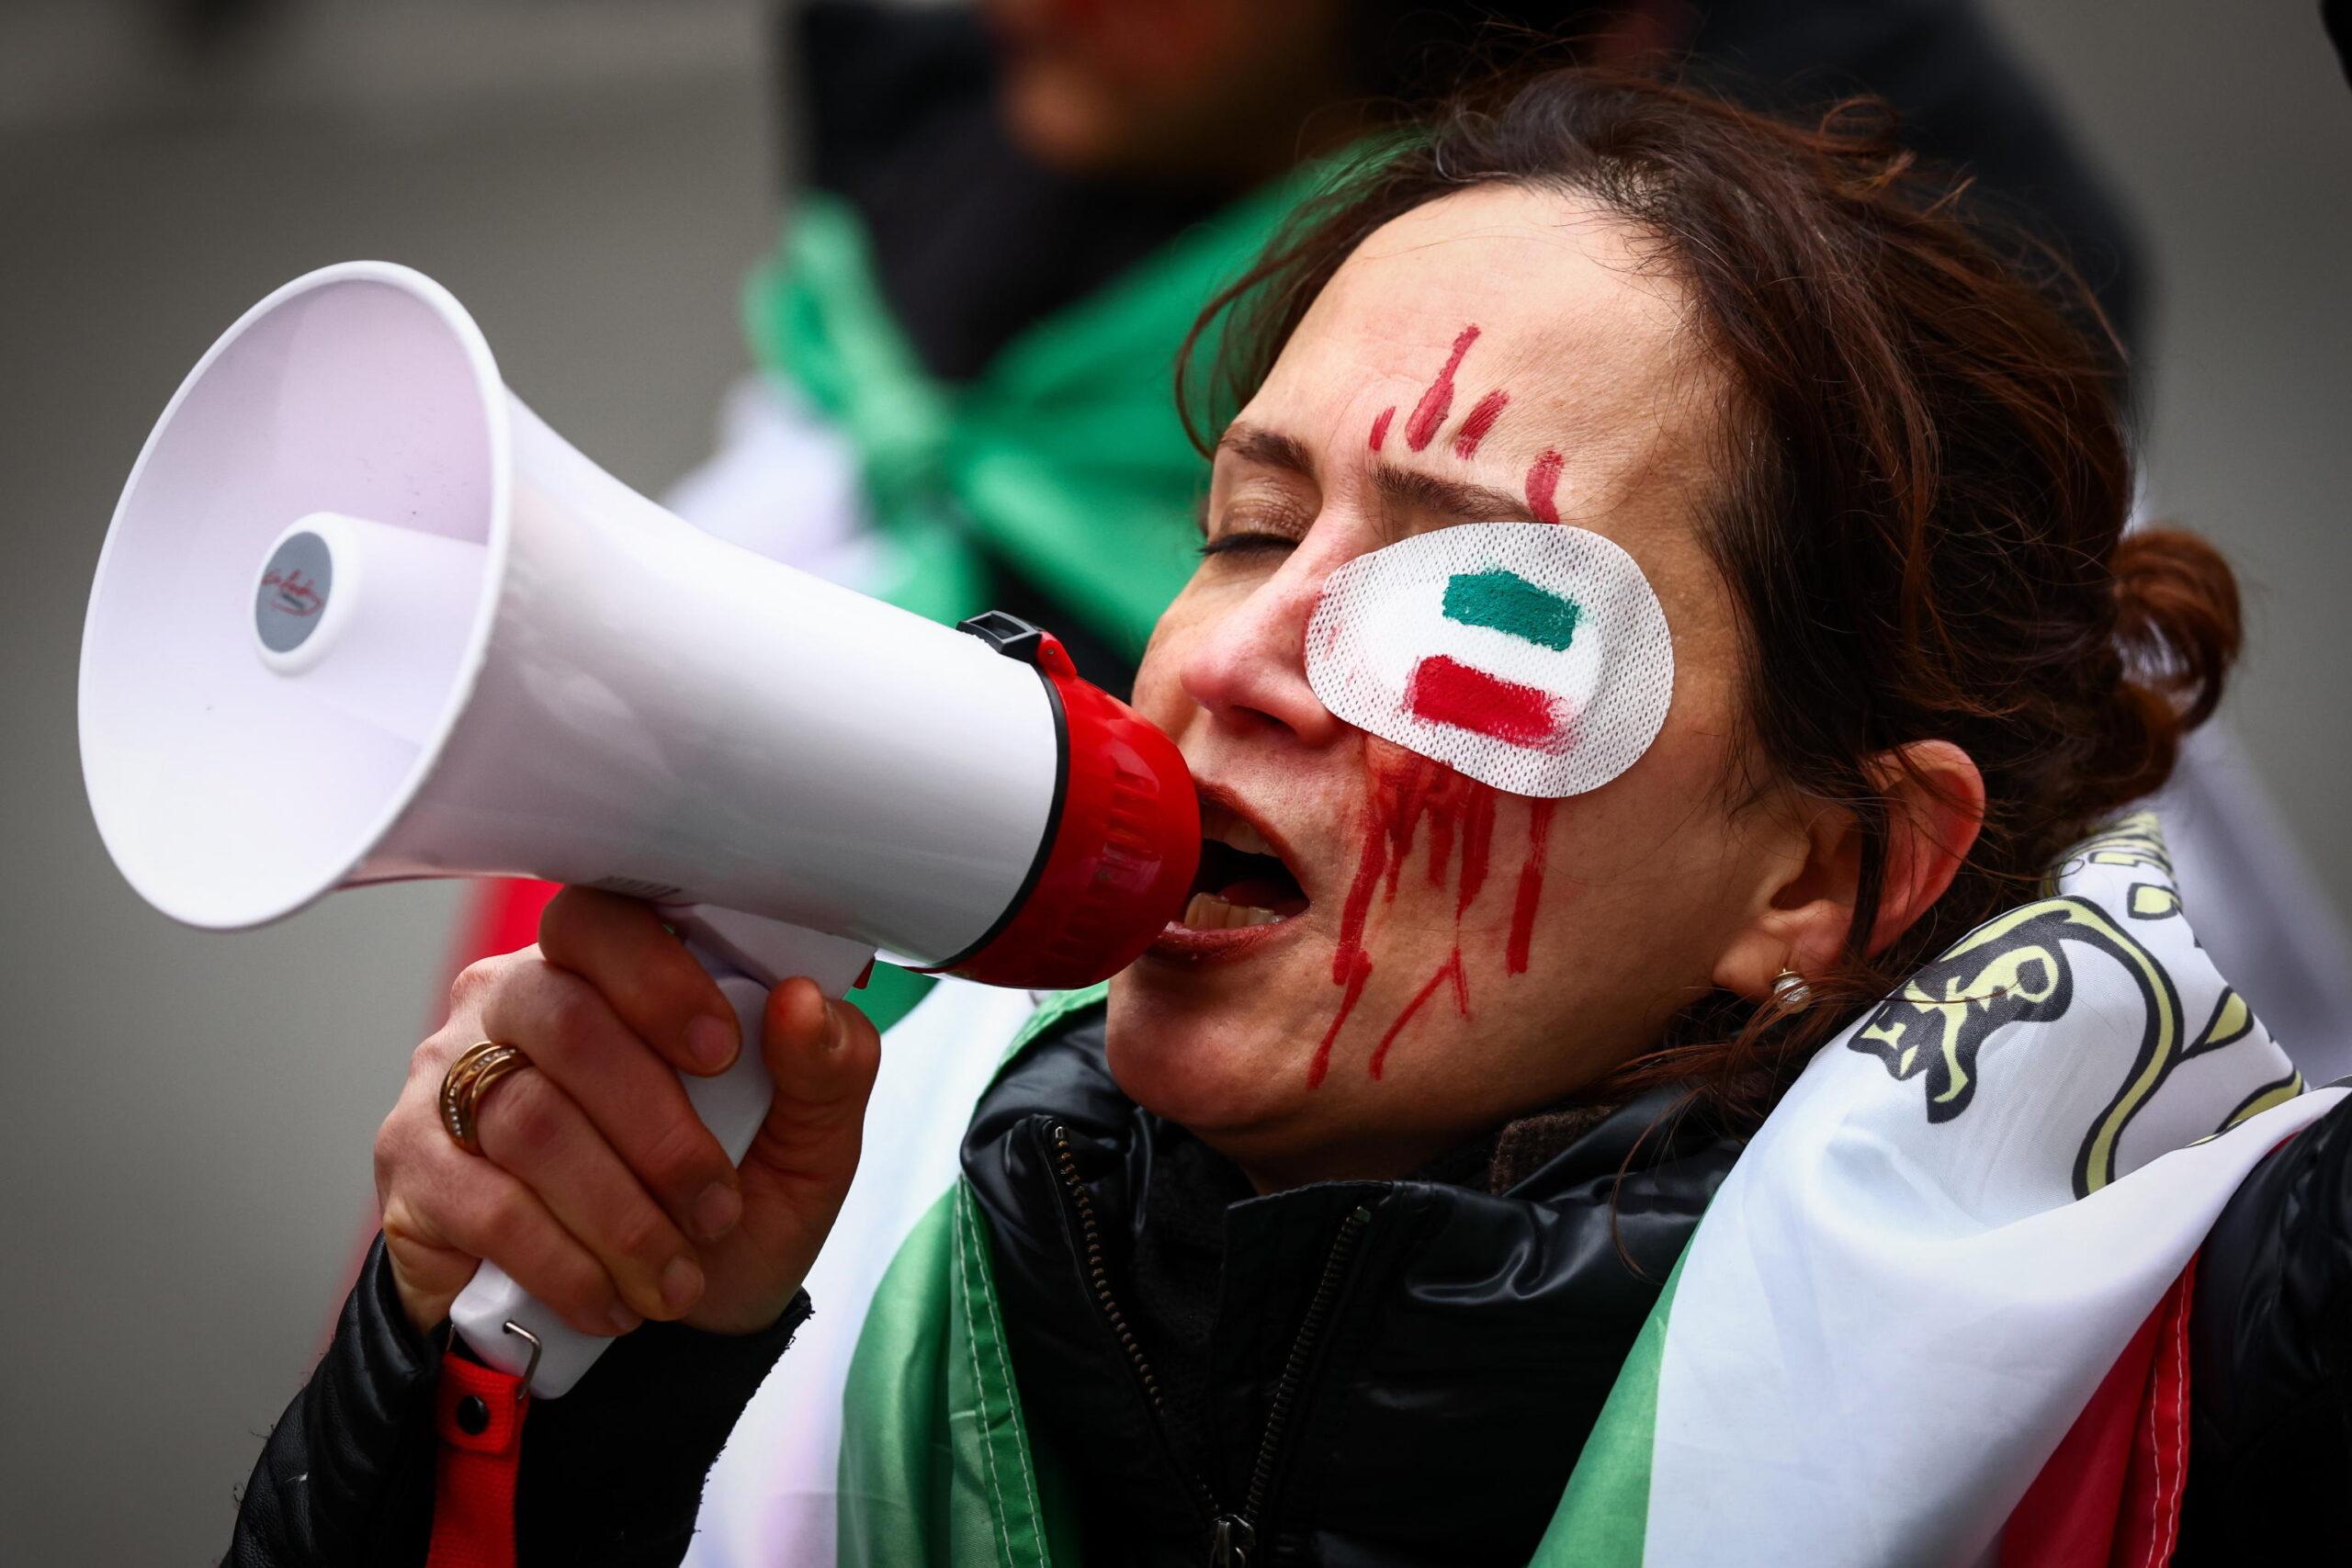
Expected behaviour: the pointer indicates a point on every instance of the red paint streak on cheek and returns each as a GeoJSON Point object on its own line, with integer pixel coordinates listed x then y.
{"type": "Point", "coordinates": [1351, 966]}
{"type": "Point", "coordinates": [1477, 833]}
{"type": "Point", "coordinates": [1450, 970]}
{"type": "Point", "coordinates": [1431, 412]}
{"type": "Point", "coordinates": [1543, 483]}
{"type": "Point", "coordinates": [1530, 886]}
{"type": "Point", "coordinates": [1380, 426]}
{"type": "Point", "coordinates": [1480, 419]}
{"type": "Point", "coordinates": [1401, 790]}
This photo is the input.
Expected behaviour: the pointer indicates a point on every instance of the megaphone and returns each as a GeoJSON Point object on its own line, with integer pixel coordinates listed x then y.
{"type": "Point", "coordinates": [362, 616]}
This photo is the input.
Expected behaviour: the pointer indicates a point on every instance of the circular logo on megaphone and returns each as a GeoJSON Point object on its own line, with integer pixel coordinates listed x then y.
{"type": "Point", "coordinates": [293, 591]}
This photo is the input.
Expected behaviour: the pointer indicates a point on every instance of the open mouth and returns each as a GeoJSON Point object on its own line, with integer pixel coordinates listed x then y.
{"type": "Point", "coordinates": [1242, 880]}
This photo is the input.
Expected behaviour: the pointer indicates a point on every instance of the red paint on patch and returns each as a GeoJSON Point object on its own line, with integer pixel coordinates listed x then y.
{"type": "Point", "coordinates": [1431, 412]}
{"type": "Point", "coordinates": [1445, 690]}
{"type": "Point", "coordinates": [1450, 970]}
{"type": "Point", "coordinates": [1542, 481]}
{"type": "Point", "coordinates": [1380, 426]}
{"type": "Point", "coordinates": [1480, 419]}
{"type": "Point", "coordinates": [1530, 886]}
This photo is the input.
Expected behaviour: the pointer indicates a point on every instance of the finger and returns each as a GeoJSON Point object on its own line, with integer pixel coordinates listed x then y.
{"type": "Point", "coordinates": [621, 947]}
{"type": "Point", "coordinates": [535, 1133]}
{"type": "Point", "coordinates": [448, 1201]}
{"type": "Point", "coordinates": [630, 1095]}
{"type": "Point", "coordinates": [824, 1055]}
{"type": "Point", "coordinates": [473, 984]}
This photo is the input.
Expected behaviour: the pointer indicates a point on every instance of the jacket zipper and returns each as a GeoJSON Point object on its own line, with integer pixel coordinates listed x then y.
{"type": "Point", "coordinates": [1232, 1536]}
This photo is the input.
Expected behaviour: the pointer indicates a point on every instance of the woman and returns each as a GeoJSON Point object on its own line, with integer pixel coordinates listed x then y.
{"type": "Point", "coordinates": [1327, 1237]}
{"type": "Point", "coordinates": [952, 284]}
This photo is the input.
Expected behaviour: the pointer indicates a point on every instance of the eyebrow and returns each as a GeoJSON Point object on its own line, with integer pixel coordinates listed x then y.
{"type": "Point", "coordinates": [1405, 488]}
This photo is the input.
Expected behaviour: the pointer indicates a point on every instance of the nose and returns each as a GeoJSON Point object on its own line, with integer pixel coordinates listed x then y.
{"type": "Point", "coordinates": [1248, 668]}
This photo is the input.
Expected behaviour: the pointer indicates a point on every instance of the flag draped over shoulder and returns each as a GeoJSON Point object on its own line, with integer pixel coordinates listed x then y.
{"type": "Point", "coordinates": [1935, 1315]}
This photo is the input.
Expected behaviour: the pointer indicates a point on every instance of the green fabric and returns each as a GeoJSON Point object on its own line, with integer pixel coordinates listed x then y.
{"type": "Point", "coordinates": [1603, 1518]}
{"type": "Point", "coordinates": [936, 1469]}
{"type": "Point", "coordinates": [891, 993]}
{"type": "Point", "coordinates": [1065, 455]}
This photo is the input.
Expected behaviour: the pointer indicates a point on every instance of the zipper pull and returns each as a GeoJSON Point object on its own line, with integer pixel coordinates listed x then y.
{"type": "Point", "coordinates": [1230, 1541]}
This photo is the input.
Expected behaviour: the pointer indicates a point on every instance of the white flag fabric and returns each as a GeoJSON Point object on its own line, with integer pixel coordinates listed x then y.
{"type": "Point", "coordinates": [1940, 1243]}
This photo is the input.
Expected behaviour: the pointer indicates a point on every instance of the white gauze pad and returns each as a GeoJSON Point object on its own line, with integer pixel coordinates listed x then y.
{"type": "Point", "coordinates": [1530, 656]}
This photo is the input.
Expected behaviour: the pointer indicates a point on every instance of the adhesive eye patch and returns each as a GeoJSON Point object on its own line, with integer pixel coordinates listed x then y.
{"type": "Point", "coordinates": [1529, 656]}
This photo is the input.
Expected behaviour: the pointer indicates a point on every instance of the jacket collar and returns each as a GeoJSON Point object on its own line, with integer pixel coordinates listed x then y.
{"type": "Point", "coordinates": [1463, 1336]}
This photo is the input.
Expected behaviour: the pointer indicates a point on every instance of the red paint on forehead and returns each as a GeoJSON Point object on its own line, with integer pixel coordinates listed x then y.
{"type": "Point", "coordinates": [1480, 419]}
{"type": "Point", "coordinates": [1380, 426]}
{"type": "Point", "coordinates": [1431, 412]}
{"type": "Point", "coordinates": [1542, 481]}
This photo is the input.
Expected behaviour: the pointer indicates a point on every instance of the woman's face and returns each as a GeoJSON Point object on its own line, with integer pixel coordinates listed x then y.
{"type": "Point", "coordinates": [1346, 1037]}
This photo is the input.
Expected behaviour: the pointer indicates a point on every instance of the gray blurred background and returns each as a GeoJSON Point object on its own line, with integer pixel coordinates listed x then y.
{"type": "Point", "coordinates": [188, 1117]}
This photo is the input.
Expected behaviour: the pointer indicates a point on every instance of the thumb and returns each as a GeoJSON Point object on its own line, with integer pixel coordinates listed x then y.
{"type": "Point", "coordinates": [822, 1055]}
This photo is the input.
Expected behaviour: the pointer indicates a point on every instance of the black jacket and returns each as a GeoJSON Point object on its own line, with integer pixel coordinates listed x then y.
{"type": "Point", "coordinates": [1356, 1373]}
{"type": "Point", "coordinates": [1353, 1374]}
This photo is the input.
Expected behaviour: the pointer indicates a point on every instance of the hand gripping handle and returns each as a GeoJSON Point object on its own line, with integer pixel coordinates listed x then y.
{"type": "Point", "coordinates": [747, 956]}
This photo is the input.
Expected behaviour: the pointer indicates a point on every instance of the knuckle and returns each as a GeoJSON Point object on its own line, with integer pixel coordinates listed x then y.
{"type": "Point", "coordinates": [524, 1117]}
{"type": "Point", "coordinates": [430, 1058]}
{"type": "Point", "coordinates": [588, 1295]}
{"type": "Point", "coordinates": [570, 1016]}
{"type": "Point", "coordinates": [475, 980]}
{"type": "Point", "coordinates": [390, 1142]}
{"type": "Point", "coordinates": [639, 1231]}
{"type": "Point", "coordinates": [680, 1154]}
{"type": "Point", "coordinates": [503, 1217]}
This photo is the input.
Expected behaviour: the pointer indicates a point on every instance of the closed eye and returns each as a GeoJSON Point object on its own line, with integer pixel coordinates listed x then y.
{"type": "Point", "coordinates": [1247, 543]}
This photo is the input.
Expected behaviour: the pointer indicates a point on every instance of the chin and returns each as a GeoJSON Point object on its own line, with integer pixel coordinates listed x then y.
{"type": "Point", "coordinates": [1197, 1064]}
{"type": "Point", "coordinates": [1054, 119]}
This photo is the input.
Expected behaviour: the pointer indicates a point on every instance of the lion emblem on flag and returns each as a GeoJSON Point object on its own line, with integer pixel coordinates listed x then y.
{"type": "Point", "coordinates": [2017, 969]}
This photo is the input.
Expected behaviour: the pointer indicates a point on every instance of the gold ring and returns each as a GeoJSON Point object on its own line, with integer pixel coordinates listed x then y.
{"type": "Point", "coordinates": [468, 1079]}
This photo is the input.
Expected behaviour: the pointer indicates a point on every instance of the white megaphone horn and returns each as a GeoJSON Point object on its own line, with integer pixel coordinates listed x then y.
{"type": "Point", "coordinates": [362, 616]}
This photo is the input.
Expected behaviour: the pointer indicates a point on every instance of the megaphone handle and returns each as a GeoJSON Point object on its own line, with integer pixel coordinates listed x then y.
{"type": "Point", "coordinates": [746, 954]}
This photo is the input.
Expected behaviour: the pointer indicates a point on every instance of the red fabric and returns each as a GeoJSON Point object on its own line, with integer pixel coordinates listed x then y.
{"type": "Point", "coordinates": [2109, 1496]}
{"type": "Point", "coordinates": [473, 1491]}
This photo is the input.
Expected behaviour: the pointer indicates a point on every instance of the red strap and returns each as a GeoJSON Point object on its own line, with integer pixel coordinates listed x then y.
{"type": "Point", "coordinates": [478, 1412]}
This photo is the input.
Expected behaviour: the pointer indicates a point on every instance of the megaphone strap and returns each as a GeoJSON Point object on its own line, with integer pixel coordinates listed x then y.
{"type": "Point", "coordinates": [478, 1415]}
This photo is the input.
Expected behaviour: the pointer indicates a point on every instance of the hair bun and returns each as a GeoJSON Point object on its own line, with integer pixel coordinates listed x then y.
{"type": "Point", "coordinates": [2177, 631]}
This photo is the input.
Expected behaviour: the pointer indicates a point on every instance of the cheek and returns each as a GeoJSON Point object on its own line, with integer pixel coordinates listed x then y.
{"type": "Point", "coordinates": [1160, 677]}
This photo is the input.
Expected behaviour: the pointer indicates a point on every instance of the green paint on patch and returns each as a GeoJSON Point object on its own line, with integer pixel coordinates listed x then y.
{"type": "Point", "coordinates": [1508, 603]}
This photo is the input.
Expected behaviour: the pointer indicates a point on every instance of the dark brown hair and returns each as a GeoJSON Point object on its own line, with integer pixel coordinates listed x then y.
{"type": "Point", "coordinates": [1925, 486]}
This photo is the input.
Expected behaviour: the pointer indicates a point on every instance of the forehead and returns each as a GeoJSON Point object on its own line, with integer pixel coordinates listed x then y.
{"type": "Point", "coordinates": [1578, 322]}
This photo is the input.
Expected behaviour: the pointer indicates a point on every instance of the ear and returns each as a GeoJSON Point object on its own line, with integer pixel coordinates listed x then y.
{"type": "Point", "coordinates": [1935, 807]}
